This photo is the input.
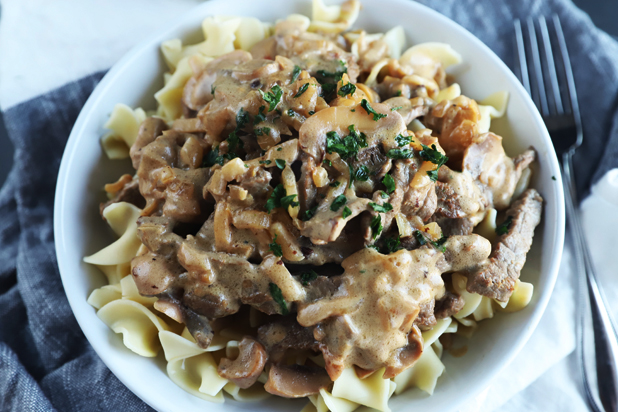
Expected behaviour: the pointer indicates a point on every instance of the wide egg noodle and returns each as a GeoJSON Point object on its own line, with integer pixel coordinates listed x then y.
{"type": "Point", "coordinates": [373, 391]}
{"type": "Point", "coordinates": [334, 19]}
{"type": "Point", "coordinates": [115, 273]}
{"type": "Point", "coordinates": [492, 107]}
{"type": "Point", "coordinates": [449, 93]}
{"type": "Point", "coordinates": [122, 218]}
{"type": "Point", "coordinates": [335, 404]}
{"type": "Point", "coordinates": [104, 295]}
{"type": "Point", "coordinates": [137, 324]}
{"type": "Point", "coordinates": [192, 368]}
{"type": "Point", "coordinates": [129, 291]}
{"type": "Point", "coordinates": [437, 52]}
{"type": "Point", "coordinates": [123, 124]}
{"type": "Point", "coordinates": [253, 393]}
{"type": "Point", "coordinates": [423, 374]}
{"type": "Point", "coordinates": [520, 298]}
{"type": "Point", "coordinates": [472, 300]}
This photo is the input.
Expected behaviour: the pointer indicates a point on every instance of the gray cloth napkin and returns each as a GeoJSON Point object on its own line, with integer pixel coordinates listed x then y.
{"type": "Point", "coordinates": [45, 361]}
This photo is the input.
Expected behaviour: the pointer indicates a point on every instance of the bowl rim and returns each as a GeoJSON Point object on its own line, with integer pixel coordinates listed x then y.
{"type": "Point", "coordinates": [61, 235]}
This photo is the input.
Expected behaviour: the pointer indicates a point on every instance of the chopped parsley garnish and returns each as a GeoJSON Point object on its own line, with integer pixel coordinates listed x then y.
{"type": "Point", "coordinates": [434, 156]}
{"type": "Point", "coordinates": [307, 277]}
{"type": "Point", "coordinates": [392, 244]}
{"type": "Point", "coordinates": [262, 131]}
{"type": "Point", "coordinates": [353, 110]}
{"type": "Point", "coordinates": [279, 199]}
{"type": "Point", "coordinates": [309, 213]}
{"type": "Point", "coordinates": [328, 91]}
{"type": "Point", "coordinates": [288, 201]}
{"type": "Point", "coordinates": [212, 89]}
{"type": "Point", "coordinates": [279, 149]}
{"type": "Point", "coordinates": [347, 146]}
{"type": "Point", "coordinates": [393, 109]}
{"type": "Point", "coordinates": [389, 182]}
{"type": "Point", "coordinates": [295, 73]}
{"type": "Point", "coordinates": [280, 163]}
{"type": "Point", "coordinates": [311, 112]}
{"type": "Point", "coordinates": [505, 226]}
{"type": "Point", "coordinates": [346, 212]}
{"type": "Point", "coordinates": [376, 226]}
{"type": "Point", "coordinates": [385, 208]}
{"type": "Point", "coordinates": [346, 89]}
{"type": "Point", "coordinates": [398, 93]}
{"type": "Point", "coordinates": [302, 90]}
{"type": "Point", "coordinates": [323, 75]}
{"type": "Point", "coordinates": [265, 162]}
{"type": "Point", "coordinates": [260, 117]}
{"type": "Point", "coordinates": [233, 141]}
{"type": "Point", "coordinates": [273, 97]}
{"type": "Point", "coordinates": [400, 153]}
{"type": "Point", "coordinates": [420, 237]}
{"type": "Point", "coordinates": [291, 112]}
{"type": "Point", "coordinates": [375, 247]}
{"type": "Point", "coordinates": [376, 116]}
{"type": "Point", "coordinates": [403, 140]}
{"type": "Point", "coordinates": [384, 195]}
{"type": "Point", "coordinates": [336, 183]}
{"type": "Point", "coordinates": [439, 244]}
{"type": "Point", "coordinates": [275, 248]}
{"type": "Point", "coordinates": [361, 174]}
{"type": "Point", "coordinates": [275, 292]}
{"type": "Point", "coordinates": [213, 158]}
{"type": "Point", "coordinates": [338, 202]}
{"type": "Point", "coordinates": [327, 162]}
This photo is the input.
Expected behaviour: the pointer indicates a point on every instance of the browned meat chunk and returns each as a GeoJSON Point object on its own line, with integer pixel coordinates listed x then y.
{"type": "Point", "coordinates": [281, 336]}
{"type": "Point", "coordinates": [125, 190]}
{"type": "Point", "coordinates": [426, 318]}
{"type": "Point", "coordinates": [150, 129]}
{"type": "Point", "coordinates": [247, 367]}
{"type": "Point", "coordinates": [496, 278]}
{"type": "Point", "coordinates": [449, 305]}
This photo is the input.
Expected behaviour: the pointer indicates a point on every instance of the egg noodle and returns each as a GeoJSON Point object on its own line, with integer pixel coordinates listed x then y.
{"type": "Point", "coordinates": [442, 270]}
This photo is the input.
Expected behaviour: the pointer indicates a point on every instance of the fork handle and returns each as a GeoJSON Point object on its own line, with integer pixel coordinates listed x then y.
{"type": "Point", "coordinates": [605, 340]}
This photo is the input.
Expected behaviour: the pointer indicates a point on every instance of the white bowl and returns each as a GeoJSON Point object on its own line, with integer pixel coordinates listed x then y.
{"type": "Point", "coordinates": [79, 231]}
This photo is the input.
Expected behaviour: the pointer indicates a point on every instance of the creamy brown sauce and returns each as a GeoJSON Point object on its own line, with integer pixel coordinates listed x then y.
{"type": "Point", "coordinates": [245, 205]}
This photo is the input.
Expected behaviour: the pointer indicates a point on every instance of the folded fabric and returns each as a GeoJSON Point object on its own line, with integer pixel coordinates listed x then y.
{"type": "Point", "coordinates": [45, 361]}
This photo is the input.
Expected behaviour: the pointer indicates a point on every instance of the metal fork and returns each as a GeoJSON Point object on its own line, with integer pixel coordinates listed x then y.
{"type": "Point", "coordinates": [551, 85]}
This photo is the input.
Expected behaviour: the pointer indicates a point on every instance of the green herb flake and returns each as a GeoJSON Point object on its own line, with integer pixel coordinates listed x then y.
{"type": "Point", "coordinates": [384, 195]}
{"type": "Point", "coordinates": [291, 112]}
{"type": "Point", "coordinates": [275, 247]}
{"type": "Point", "coordinates": [400, 154]}
{"type": "Point", "coordinates": [346, 212]}
{"type": "Point", "coordinates": [307, 277]}
{"type": "Point", "coordinates": [439, 244]}
{"type": "Point", "coordinates": [420, 237]}
{"type": "Point", "coordinates": [311, 112]}
{"type": "Point", "coordinates": [327, 162]}
{"type": "Point", "coordinates": [309, 213]}
{"type": "Point", "coordinates": [353, 110]}
{"type": "Point", "coordinates": [295, 73]}
{"type": "Point", "coordinates": [376, 116]}
{"type": "Point", "coordinates": [363, 271]}
{"type": "Point", "coordinates": [265, 162]}
{"type": "Point", "coordinates": [394, 109]}
{"type": "Point", "coordinates": [288, 201]}
{"type": "Point", "coordinates": [347, 146]}
{"type": "Point", "coordinates": [361, 174]}
{"type": "Point", "coordinates": [273, 97]}
{"type": "Point", "coordinates": [280, 163]}
{"type": "Point", "coordinates": [338, 202]}
{"type": "Point", "coordinates": [398, 93]}
{"type": "Point", "coordinates": [376, 226]}
{"type": "Point", "coordinates": [277, 295]}
{"type": "Point", "coordinates": [262, 131]}
{"type": "Point", "coordinates": [385, 208]}
{"type": "Point", "coordinates": [274, 200]}
{"type": "Point", "coordinates": [434, 156]}
{"type": "Point", "coordinates": [279, 149]}
{"type": "Point", "coordinates": [233, 141]}
{"type": "Point", "coordinates": [346, 89]}
{"type": "Point", "coordinates": [302, 90]}
{"type": "Point", "coordinates": [503, 229]}
{"type": "Point", "coordinates": [336, 183]}
{"type": "Point", "coordinates": [403, 140]}
{"type": "Point", "coordinates": [260, 117]}
{"type": "Point", "coordinates": [392, 244]}
{"type": "Point", "coordinates": [212, 158]}
{"type": "Point", "coordinates": [389, 182]}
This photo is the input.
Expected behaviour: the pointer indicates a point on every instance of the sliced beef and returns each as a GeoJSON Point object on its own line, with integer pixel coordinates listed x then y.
{"type": "Point", "coordinates": [278, 337]}
{"type": "Point", "coordinates": [496, 277]}
{"type": "Point", "coordinates": [450, 304]}
{"type": "Point", "coordinates": [426, 318]}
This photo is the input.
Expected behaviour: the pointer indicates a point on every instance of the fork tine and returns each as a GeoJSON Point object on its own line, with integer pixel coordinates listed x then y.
{"type": "Point", "coordinates": [569, 77]}
{"type": "Point", "coordinates": [551, 66]}
{"type": "Point", "coordinates": [538, 70]}
{"type": "Point", "coordinates": [521, 54]}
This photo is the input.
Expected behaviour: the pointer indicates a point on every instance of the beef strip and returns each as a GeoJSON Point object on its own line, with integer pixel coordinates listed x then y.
{"type": "Point", "coordinates": [497, 276]}
{"type": "Point", "coordinates": [448, 305]}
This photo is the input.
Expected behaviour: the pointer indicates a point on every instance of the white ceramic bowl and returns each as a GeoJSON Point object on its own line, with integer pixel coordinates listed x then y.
{"type": "Point", "coordinates": [79, 230]}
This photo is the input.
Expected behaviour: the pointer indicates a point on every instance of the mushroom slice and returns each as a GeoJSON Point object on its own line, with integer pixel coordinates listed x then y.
{"type": "Point", "coordinates": [296, 381]}
{"type": "Point", "coordinates": [247, 367]}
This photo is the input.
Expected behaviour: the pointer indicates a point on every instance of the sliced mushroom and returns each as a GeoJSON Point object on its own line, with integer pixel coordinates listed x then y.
{"type": "Point", "coordinates": [407, 355]}
{"type": "Point", "coordinates": [247, 367]}
{"type": "Point", "coordinates": [296, 381]}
